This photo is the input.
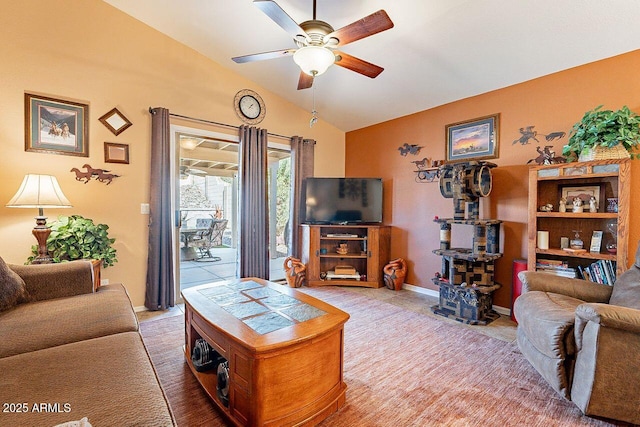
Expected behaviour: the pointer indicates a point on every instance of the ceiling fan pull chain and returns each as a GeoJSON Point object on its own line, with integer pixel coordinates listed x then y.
{"type": "Point", "coordinates": [314, 113]}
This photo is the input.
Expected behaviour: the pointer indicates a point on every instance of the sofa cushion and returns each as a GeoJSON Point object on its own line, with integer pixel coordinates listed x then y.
{"type": "Point", "coordinates": [110, 380]}
{"type": "Point", "coordinates": [12, 288]}
{"type": "Point", "coordinates": [547, 320]}
{"type": "Point", "coordinates": [626, 290]}
{"type": "Point", "coordinates": [48, 323]}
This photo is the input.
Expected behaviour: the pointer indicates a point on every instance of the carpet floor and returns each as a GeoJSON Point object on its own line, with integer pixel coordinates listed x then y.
{"type": "Point", "coordinates": [402, 368]}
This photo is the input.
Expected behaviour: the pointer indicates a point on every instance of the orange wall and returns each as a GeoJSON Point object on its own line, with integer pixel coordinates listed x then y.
{"type": "Point", "coordinates": [88, 51]}
{"type": "Point", "coordinates": [551, 103]}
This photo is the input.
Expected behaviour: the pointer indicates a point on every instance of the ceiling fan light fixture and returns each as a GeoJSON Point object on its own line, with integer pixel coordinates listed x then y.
{"type": "Point", "coordinates": [314, 60]}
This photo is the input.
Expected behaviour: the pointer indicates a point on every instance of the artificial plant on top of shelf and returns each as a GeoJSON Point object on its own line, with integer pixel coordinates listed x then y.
{"type": "Point", "coordinates": [604, 128]}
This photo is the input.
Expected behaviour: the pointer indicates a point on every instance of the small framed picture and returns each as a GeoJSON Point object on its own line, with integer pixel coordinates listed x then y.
{"type": "Point", "coordinates": [585, 193]}
{"type": "Point", "coordinates": [116, 153]}
{"type": "Point", "coordinates": [115, 121]}
{"type": "Point", "coordinates": [473, 139]}
{"type": "Point", "coordinates": [56, 126]}
{"type": "Point", "coordinates": [596, 242]}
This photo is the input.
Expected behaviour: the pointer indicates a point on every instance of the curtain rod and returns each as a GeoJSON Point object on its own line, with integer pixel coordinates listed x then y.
{"type": "Point", "coordinates": [215, 123]}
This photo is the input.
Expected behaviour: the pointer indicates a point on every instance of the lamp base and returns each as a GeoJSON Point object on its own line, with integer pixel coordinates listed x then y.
{"type": "Point", "coordinates": [41, 233]}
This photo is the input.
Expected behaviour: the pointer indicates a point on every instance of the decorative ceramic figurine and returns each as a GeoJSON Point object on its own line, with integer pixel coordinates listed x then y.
{"type": "Point", "coordinates": [295, 272]}
{"type": "Point", "coordinates": [394, 273]}
{"type": "Point", "coordinates": [593, 204]}
{"type": "Point", "coordinates": [562, 205]}
{"type": "Point", "coordinates": [577, 205]}
{"type": "Point", "coordinates": [546, 208]}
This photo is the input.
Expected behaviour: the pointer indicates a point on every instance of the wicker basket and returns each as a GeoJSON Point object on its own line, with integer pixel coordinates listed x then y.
{"type": "Point", "coordinates": [605, 153]}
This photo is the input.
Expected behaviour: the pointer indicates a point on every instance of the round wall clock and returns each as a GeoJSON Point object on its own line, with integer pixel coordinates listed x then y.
{"type": "Point", "coordinates": [249, 107]}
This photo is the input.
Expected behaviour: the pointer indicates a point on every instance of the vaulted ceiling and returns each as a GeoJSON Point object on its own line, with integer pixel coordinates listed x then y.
{"type": "Point", "coordinates": [439, 51]}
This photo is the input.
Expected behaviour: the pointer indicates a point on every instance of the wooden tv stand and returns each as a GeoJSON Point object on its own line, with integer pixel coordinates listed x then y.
{"type": "Point", "coordinates": [284, 351]}
{"type": "Point", "coordinates": [367, 251]}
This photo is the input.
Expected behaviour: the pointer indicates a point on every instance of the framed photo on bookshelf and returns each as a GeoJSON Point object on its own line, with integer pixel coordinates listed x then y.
{"type": "Point", "coordinates": [584, 192]}
{"type": "Point", "coordinates": [596, 242]}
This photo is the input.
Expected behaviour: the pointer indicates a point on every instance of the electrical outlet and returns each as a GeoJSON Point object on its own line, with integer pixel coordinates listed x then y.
{"type": "Point", "coordinates": [144, 208]}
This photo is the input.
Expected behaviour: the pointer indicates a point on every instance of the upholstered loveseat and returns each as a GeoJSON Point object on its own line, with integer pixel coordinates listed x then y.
{"type": "Point", "coordinates": [584, 339]}
{"type": "Point", "coordinates": [68, 353]}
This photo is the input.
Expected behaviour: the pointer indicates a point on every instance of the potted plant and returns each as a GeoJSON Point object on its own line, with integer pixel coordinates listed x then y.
{"type": "Point", "coordinates": [606, 129]}
{"type": "Point", "coordinates": [75, 237]}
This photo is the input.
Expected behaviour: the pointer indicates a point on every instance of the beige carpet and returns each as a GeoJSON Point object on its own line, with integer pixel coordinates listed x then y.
{"type": "Point", "coordinates": [402, 368]}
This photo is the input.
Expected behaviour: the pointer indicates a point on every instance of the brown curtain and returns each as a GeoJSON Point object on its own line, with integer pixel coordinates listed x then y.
{"type": "Point", "coordinates": [302, 151]}
{"type": "Point", "coordinates": [160, 290]}
{"type": "Point", "coordinates": [254, 206]}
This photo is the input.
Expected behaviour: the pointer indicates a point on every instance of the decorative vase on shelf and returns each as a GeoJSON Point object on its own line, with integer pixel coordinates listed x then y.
{"type": "Point", "coordinates": [576, 242]}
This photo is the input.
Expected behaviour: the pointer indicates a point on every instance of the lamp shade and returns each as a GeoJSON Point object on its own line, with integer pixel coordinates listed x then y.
{"type": "Point", "coordinates": [314, 60]}
{"type": "Point", "coordinates": [39, 191]}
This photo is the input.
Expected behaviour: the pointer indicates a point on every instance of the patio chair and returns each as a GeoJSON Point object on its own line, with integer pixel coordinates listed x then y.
{"type": "Point", "coordinates": [209, 239]}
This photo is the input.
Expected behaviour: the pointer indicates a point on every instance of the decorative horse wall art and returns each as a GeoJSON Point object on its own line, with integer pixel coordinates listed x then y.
{"type": "Point", "coordinates": [409, 149]}
{"type": "Point", "coordinates": [100, 174]}
{"type": "Point", "coordinates": [528, 133]}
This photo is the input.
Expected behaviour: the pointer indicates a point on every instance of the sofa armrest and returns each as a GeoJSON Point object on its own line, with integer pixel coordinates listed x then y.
{"type": "Point", "coordinates": [48, 281]}
{"type": "Point", "coordinates": [611, 316]}
{"type": "Point", "coordinates": [575, 288]}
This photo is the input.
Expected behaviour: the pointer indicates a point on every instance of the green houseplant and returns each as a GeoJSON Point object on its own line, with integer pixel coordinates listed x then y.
{"type": "Point", "coordinates": [75, 237]}
{"type": "Point", "coordinates": [604, 128]}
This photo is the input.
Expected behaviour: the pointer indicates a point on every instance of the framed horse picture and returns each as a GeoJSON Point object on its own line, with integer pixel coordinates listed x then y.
{"type": "Point", "coordinates": [56, 126]}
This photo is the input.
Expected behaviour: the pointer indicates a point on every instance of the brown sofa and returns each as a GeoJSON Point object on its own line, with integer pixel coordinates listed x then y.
{"type": "Point", "coordinates": [68, 353]}
{"type": "Point", "coordinates": [584, 339]}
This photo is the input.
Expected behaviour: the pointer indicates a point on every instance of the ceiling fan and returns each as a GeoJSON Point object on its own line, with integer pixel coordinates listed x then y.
{"type": "Point", "coordinates": [317, 41]}
{"type": "Point", "coordinates": [185, 171]}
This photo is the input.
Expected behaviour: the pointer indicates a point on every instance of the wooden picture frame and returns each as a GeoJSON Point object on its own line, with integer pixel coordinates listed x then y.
{"type": "Point", "coordinates": [116, 153]}
{"type": "Point", "coordinates": [56, 126]}
{"type": "Point", "coordinates": [476, 139]}
{"type": "Point", "coordinates": [115, 121]}
{"type": "Point", "coordinates": [585, 192]}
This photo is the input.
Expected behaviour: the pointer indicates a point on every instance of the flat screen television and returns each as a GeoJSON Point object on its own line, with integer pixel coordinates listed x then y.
{"type": "Point", "coordinates": [343, 200]}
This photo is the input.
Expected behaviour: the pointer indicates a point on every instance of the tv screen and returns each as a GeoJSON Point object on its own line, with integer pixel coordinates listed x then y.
{"type": "Point", "coordinates": [343, 200]}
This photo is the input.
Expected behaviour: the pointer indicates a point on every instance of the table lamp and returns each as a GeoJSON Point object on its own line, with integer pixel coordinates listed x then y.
{"type": "Point", "coordinates": [40, 191]}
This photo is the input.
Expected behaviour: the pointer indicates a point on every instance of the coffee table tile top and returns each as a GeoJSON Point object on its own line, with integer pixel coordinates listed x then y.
{"type": "Point", "coordinates": [261, 308]}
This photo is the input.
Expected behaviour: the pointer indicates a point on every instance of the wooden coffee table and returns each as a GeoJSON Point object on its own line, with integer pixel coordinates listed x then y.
{"type": "Point", "coordinates": [283, 349]}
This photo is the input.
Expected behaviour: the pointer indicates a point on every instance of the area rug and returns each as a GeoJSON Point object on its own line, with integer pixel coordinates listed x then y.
{"type": "Point", "coordinates": [402, 368]}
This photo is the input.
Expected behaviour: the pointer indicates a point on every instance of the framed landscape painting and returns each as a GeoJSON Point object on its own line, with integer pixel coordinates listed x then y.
{"type": "Point", "coordinates": [475, 139]}
{"type": "Point", "coordinates": [56, 126]}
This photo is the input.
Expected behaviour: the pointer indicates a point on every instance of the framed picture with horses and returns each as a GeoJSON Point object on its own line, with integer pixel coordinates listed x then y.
{"type": "Point", "coordinates": [475, 139]}
{"type": "Point", "coordinates": [56, 126]}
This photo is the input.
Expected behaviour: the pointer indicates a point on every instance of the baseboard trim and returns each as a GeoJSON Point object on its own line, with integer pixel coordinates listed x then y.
{"type": "Point", "coordinates": [140, 309]}
{"type": "Point", "coordinates": [433, 293]}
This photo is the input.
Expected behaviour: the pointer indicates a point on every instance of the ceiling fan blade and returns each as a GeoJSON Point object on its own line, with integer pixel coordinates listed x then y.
{"type": "Point", "coordinates": [369, 25]}
{"type": "Point", "coordinates": [305, 81]}
{"type": "Point", "coordinates": [358, 65]}
{"type": "Point", "coordinates": [280, 17]}
{"type": "Point", "coordinates": [264, 55]}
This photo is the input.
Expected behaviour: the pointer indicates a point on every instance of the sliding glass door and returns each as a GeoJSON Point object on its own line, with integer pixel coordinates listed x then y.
{"type": "Point", "coordinates": [206, 206]}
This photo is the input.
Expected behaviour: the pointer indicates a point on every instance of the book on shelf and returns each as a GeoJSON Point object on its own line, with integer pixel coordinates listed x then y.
{"type": "Point", "coordinates": [558, 270]}
{"type": "Point", "coordinates": [601, 271]}
{"type": "Point", "coordinates": [556, 262]}
{"type": "Point", "coordinates": [574, 251]}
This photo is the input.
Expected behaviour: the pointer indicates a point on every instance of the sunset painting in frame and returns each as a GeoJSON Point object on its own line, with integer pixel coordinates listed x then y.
{"type": "Point", "coordinates": [473, 139]}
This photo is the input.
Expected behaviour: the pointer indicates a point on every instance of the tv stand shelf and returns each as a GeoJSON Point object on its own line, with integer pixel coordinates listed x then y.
{"type": "Point", "coordinates": [367, 252]}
